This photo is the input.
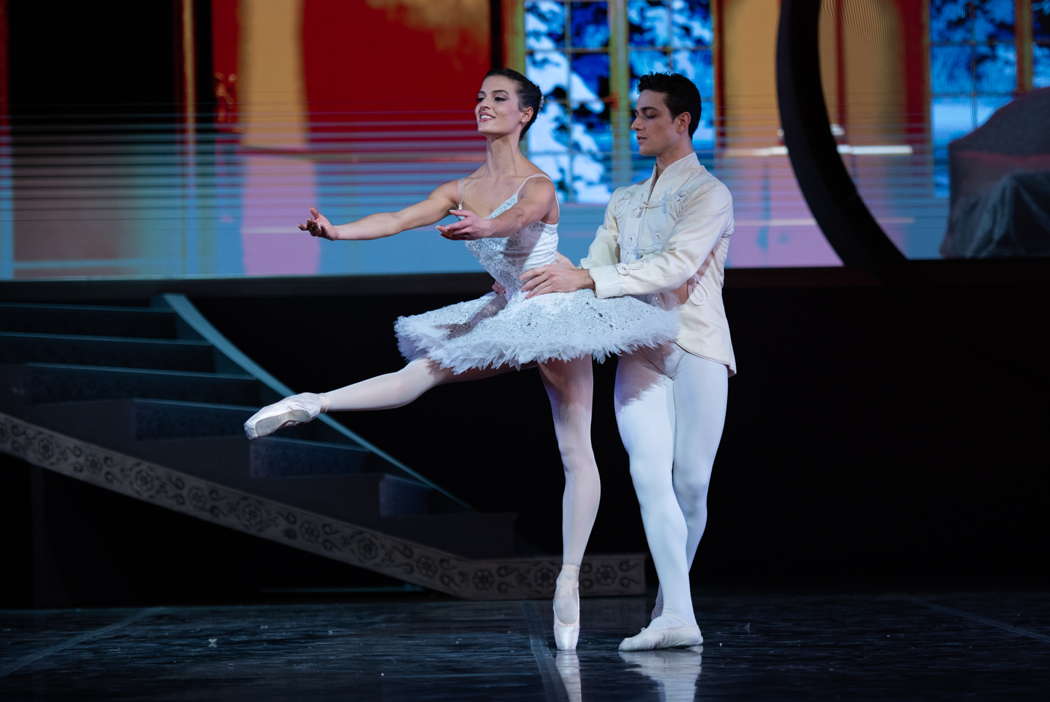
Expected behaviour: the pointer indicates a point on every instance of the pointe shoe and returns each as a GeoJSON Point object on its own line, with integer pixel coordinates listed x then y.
{"type": "Point", "coordinates": [295, 409]}
{"type": "Point", "coordinates": [656, 636]}
{"type": "Point", "coordinates": [567, 609]}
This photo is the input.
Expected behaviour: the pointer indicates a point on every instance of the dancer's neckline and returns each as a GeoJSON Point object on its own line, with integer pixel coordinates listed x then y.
{"type": "Point", "coordinates": [513, 195]}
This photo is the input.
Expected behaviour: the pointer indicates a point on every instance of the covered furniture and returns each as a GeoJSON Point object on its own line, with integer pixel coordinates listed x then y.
{"type": "Point", "coordinates": [1000, 184]}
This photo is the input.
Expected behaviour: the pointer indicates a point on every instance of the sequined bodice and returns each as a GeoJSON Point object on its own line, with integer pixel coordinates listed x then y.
{"type": "Point", "coordinates": [506, 258]}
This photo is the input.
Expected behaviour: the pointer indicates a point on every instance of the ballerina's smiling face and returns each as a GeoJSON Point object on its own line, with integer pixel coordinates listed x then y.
{"type": "Point", "coordinates": [498, 110]}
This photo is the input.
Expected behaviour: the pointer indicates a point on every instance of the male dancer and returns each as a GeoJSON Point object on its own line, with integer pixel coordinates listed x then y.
{"type": "Point", "coordinates": [666, 238]}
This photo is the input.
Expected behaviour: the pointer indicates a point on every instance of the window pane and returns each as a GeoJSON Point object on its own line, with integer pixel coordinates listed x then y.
{"type": "Point", "coordinates": [643, 62]}
{"type": "Point", "coordinates": [704, 136]}
{"type": "Point", "coordinates": [590, 178]}
{"type": "Point", "coordinates": [550, 71]}
{"type": "Point", "coordinates": [697, 67]}
{"type": "Point", "coordinates": [589, 80]}
{"type": "Point", "coordinates": [987, 105]}
{"type": "Point", "coordinates": [951, 69]}
{"type": "Point", "coordinates": [1041, 66]}
{"type": "Point", "coordinates": [993, 20]}
{"type": "Point", "coordinates": [591, 131]}
{"type": "Point", "coordinates": [590, 25]}
{"type": "Point", "coordinates": [950, 21]}
{"type": "Point", "coordinates": [691, 23]}
{"type": "Point", "coordinates": [557, 167]}
{"type": "Point", "coordinates": [648, 23]}
{"type": "Point", "coordinates": [996, 68]}
{"type": "Point", "coordinates": [1041, 20]}
{"type": "Point", "coordinates": [550, 131]}
{"type": "Point", "coordinates": [952, 118]}
{"type": "Point", "coordinates": [544, 24]}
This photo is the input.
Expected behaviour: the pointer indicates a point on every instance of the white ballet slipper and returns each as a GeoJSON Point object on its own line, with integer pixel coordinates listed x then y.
{"type": "Point", "coordinates": [663, 634]}
{"type": "Point", "coordinates": [295, 409]}
{"type": "Point", "coordinates": [659, 663]}
{"type": "Point", "coordinates": [567, 608]}
{"type": "Point", "coordinates": [658, 605]}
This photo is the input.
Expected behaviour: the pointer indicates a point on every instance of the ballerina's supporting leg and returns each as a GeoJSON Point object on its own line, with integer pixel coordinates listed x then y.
{"type": "Point", "coordinates": [385, 391]}
{"type": "Point", "coordinates": [569, 386]}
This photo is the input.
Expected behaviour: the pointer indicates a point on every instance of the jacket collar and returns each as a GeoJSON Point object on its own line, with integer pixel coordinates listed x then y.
{"type": "Point", "coordinates": [673, 176]}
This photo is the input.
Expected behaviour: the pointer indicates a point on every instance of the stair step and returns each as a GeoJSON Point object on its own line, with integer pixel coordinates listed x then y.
{"type": "Point", "coordinates": [470, 534]}
{"type": "Point", "coordinates": [105, 423]}
{"type": "Point", "coordinates": [362, 497]}
{"type": "Point", "coordinates": [162, 354]}
{"type": "Point", "coordinates": [119, 421]}
{"type": "Point", "coordinates": [91, 320]}
{"type": "Point", "coordinates": [117, 424]}
{"type": "Point", "coordinates": [159, 419]}
{"type": "Point", "coordinates": [52, 382]}
{"type": "Point", "coordinates": [278, 457]}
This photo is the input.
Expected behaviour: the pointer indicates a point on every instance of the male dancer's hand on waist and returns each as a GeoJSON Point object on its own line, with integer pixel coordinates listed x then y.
{"type": "Point", "coordinates": [560, 276]}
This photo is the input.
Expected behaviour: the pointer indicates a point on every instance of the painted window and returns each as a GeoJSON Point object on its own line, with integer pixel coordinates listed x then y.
{"type": "Point", "coordinates": [673, 36]}
{"type": "Point", "coordinates": [569, 53]}
{"type": "Point", "coordinates": [567, 56]}
{"type": "Point", "coordinates": [1041, 43]}
{"type": "Point", "coordinates": [975, 69]}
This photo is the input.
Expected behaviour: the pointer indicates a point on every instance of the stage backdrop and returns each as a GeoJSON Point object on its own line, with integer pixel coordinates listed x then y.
{"type": "Point", "coordinates": [193, 145]}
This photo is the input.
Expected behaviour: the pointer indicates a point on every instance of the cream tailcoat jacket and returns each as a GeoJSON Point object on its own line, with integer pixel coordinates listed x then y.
{"type": "Point", "coordinates": [669, 242]}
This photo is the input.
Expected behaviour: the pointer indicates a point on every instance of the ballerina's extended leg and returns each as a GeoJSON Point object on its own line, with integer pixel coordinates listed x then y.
{"type": "Point", "coordinates": [385, 391]}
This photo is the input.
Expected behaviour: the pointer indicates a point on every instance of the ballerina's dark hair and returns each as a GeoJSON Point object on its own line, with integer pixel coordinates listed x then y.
{"type": "Point", "coordinates": [529, 94]}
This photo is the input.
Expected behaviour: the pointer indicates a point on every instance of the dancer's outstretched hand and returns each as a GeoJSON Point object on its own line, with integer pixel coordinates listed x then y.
{"type": "Point", "coordinates": [469, 226]}
{"type": "Point", "coordinates": [318, 225]}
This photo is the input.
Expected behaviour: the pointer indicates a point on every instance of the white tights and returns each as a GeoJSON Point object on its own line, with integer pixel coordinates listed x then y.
{"type": "Point", "coordinates": [670, 408]}
{"type": "Point", "coordinates": [569, 386]}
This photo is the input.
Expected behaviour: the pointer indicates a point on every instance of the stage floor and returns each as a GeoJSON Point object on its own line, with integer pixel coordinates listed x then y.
{"type": "Point", "coordinates": [987, 645]}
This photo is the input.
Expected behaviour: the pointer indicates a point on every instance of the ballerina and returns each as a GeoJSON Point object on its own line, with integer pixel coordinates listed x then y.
{"type": "Point", "coordinates": [504, 329]}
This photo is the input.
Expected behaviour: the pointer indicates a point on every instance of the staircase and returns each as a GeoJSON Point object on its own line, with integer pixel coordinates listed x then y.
{"type": "Point", "coordinates": [149, 401]}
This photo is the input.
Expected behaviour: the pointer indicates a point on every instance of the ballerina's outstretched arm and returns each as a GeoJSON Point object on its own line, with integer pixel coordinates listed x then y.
{"type": "Point", "coordinates": [382, 224]}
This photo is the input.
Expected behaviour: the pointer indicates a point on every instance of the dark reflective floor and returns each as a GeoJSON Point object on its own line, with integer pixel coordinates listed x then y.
{"type": "Point", "coordinates": [789, 646]}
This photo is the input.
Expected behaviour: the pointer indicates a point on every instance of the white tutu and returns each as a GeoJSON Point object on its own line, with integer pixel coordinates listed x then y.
{"type": "Point", "coordinates": [491, 331]}
{"type": "Point", "coordinates": [514, 330]}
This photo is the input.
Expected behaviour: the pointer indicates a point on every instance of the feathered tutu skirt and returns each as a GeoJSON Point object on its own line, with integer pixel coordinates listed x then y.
{"type": "Point", "coordinates": [493, 331]}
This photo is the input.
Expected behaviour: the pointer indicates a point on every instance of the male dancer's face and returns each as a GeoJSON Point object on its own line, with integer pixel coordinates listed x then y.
{"type": "Point", "coordinates": [653, 126]}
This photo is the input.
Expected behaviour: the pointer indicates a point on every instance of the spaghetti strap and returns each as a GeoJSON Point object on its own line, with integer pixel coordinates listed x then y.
{"type": "Point", "coordinates": [534, 175]}
{"type": "Point", "coordinates": [557, 204]}
{"type": "Point", "coordinates": [459, 188]}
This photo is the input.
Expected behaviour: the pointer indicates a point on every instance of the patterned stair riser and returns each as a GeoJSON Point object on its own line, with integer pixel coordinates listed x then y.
{"type": "Point", "coordinates": [512, 578]}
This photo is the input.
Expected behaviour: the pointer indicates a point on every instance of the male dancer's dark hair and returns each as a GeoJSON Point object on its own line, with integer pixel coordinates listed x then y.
{"type": "Point", "coordinates": [529, 94]}
{"type": "Point", "coordinates": [680, 95]}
